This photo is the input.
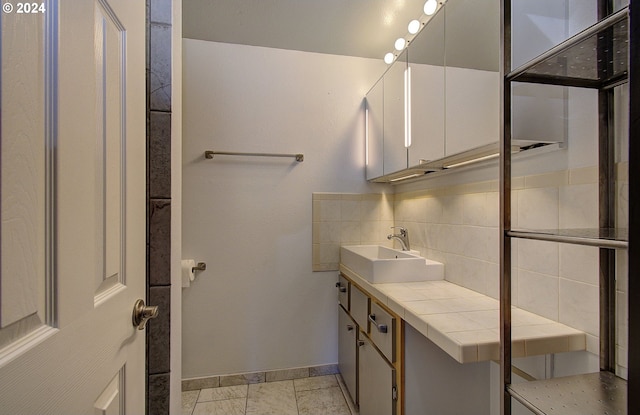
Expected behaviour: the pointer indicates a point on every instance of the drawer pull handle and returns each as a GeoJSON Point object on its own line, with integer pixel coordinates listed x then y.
{"type": "Point", "coordinates": [382, 328]}
{"type": "Point", "coordinates": [361, 343]}
{"type": "Point", "coordinates": [341, 288]}
{"type": "Point", "coordinates": [349, 327]}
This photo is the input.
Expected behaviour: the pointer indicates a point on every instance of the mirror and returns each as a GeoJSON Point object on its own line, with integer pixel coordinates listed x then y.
{"type": "Point", "coordinates": [454, 84]}
{"type": "Point", "coordinates": [472, 59]}
{"type": "Point", "coordinates": [426, 61]}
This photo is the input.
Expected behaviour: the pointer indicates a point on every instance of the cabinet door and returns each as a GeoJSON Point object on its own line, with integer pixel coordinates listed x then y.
{"type": "Point", "coordinates": [395, 146]}
{"type": "Point", "coordinates": [472, 102]}
{"type": "Point", "coordinates": [376, 381]}
{"type": "Point", "coordinates": [347, 352]}
{"type": "Point", "coordinates": [426, 61]}
{"type": "Point", "coordinates": [374, 130]}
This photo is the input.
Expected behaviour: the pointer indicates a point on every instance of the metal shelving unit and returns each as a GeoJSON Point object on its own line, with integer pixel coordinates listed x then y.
{"type": "Point", "coordinates": [601, 57]}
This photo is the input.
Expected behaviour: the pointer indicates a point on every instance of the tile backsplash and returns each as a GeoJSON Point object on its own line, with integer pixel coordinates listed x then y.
{"type": "Point", "coordinates": [348, 219]}
{"type": "Point", "coordinates": [459, 226]}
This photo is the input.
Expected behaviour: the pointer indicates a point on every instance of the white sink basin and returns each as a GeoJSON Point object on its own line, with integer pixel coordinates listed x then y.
{"type": "Point", "coordinates": [378, 264]}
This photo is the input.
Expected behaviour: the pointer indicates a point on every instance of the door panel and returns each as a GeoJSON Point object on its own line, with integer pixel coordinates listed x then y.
{"type": "Point", "coordinates": [67, 344]}
{"type": "Point", "coordinates": [23, 176]}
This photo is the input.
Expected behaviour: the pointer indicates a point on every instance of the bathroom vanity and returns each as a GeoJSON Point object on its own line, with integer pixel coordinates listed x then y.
{"type": "Point", "coordinates": [395, 338]}
{"type": "Point", "coordinates": [370, 350]}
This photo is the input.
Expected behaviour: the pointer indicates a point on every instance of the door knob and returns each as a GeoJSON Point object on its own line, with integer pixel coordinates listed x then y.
{"type": "Point", "coordinates": [142, 314]}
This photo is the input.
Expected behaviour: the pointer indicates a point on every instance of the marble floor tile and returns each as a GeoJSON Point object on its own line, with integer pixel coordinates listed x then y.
{"type": "Point", "coordinates": [319, 395]}
{"type": "Point", "coordinates": [327, 401]}
{"type": "Point", "coordinates": [226, 392]}
{"type": "Point", "coordinates": [225, 407]}
{"type": "Point", "coordinates": [273, 398]}
{"type": "Point", "coordinates": [287, 374]}
{"type": "Point", "coordinates": [189, 400]}
{"type": "Point", "coordinates": [318, 382]}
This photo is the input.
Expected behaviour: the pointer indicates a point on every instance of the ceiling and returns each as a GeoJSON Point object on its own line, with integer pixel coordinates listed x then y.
{"type": "Point", "coordinates": [363, 28]}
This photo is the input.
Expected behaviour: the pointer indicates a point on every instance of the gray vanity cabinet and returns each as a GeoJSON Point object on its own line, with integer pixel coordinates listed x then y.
{"type": "Point", "coordinates": [377, 380]}
{"type": "Point", "coordinates": [369, 350]}
{"type": "Point", "coordinates": [347, 352]}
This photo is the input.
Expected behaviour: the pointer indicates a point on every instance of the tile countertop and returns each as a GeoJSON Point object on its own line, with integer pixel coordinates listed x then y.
{"type": "Point", "coordinates": [465, 323]}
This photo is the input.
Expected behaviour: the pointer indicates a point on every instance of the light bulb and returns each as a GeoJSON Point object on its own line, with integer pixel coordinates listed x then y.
{"type": "Point", "coordinates": [430, 7]}
{"type": "Point", "coordinates": [400, 42]}
{"type": "Point", "coordinates": [388, 58]}
{"type": "Point", "coordinates": [414, 26]}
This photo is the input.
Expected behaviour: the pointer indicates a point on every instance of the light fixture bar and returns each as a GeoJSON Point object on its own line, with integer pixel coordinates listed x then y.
{"type": "Point", "coordinates": [366, 136]}
{"type": "Point", "coordinates": [474, 160]}
{"type": "Point", "coordinates": [407, 107]}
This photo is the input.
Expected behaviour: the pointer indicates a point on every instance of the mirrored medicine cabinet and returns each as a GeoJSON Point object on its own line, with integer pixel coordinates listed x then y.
{"type": "Point", "coordinates": [439, 101]}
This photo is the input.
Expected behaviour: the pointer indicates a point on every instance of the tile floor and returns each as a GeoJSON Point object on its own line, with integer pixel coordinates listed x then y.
{"type": "Point", "coordinates": [320, 395]}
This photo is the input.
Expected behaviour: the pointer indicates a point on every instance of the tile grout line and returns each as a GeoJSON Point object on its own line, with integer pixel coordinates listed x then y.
{"type": "Point", "coordinates": [295, 396]}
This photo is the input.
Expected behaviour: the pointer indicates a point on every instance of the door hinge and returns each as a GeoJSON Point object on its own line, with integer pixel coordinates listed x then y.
{"type": "Point", "coordinates": [394, 393]}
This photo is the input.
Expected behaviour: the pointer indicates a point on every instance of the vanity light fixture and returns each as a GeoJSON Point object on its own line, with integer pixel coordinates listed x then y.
{"type": "Point", "coordinates": [366, 136]}
{"type": "Point", "coordinates": [406, 177]}
{"type": "Point", "coordinates": [475, 160]}
{"type": "Point", "coordinates": [478, 154]}
{"type": "Point", "coordinates": [407, 107]}
{"type": "Point", "coordinates": [388, 58]}
{"type": "Point", "coordinates": [414, 26]}
{"type": "Point", "coordinates": [430, 7]}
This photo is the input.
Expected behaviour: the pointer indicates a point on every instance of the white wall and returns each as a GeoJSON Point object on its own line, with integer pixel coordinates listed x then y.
{"type": "Point", "coordinates": [259, 306]}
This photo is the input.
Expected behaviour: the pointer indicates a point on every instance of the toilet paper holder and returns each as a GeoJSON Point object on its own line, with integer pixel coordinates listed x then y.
{"type": "Point", "coordinates": [200, 266]}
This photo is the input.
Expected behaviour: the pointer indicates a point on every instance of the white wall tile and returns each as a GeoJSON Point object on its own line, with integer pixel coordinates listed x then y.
{"type": "Point", "coordinates": [371, 209]}
{"type": "Point", "coordinates": [538, 293]}
{"type": "Point", "coordinates": [622, 205]}
{"type": "Point", "coordinates": [493, 209]}
{"type": "Point", "coordinates": [433, 210]}
{"type": "Point", "coordinates": [471, 241]}
{"type": "Point", "coordinates": [579, 305]}
{"type": "Point", "coordinates": [579, 206]}
{"type": "Point", "coordinates": [452, 211]}
{"type": "Point", "coordinates": [538, 256]}
{"type": "Point", "coordinates": [538, 208]}
{"type": "Point", "coordinates": [350, 232]}
{"type": "Point", "coordinates": [474, 209]}
{"type": "Point", "coordinates": [327, 210]}
{"type": "Point", "coordinates": [468, 272]}
{"type": "Point", "coordinates": [350, 210]}
{"type": "Point", "coordinates": [580, 263]}
{"type": "Point", "coordinates": [328, 232]}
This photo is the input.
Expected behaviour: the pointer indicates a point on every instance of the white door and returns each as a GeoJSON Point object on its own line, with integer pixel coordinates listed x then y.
{"type": "Point", "coordinates": [72, 224]}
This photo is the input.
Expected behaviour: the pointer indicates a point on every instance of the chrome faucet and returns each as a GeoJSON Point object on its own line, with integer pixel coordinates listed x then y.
{"type": "Point", "coordinates": [403, 237]}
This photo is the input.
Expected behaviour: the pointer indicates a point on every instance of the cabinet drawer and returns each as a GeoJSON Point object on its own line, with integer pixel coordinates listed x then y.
{"type": "Point", "coordinates": [342, 287]}
{"type": "Point", "coordinates": [383, 328]}
{"type": "Point", "coordinates": [359, 307]}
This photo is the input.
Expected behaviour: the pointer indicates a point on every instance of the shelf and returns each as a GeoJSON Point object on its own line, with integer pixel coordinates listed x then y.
{"type": "Point", "coordinates": [603, 238]}
{"type": "Point", "coordinates": [595, 58]}
{"type": "Point", "coordinates": [594, 393]}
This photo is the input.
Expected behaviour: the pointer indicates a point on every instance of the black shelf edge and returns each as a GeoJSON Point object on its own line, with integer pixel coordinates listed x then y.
{"type": "Point", "coordinates": [575, 62]}
{"type": "Point", "coordinates": [590, 394]}
{"type": "Point", "coordinates": [603, 238]}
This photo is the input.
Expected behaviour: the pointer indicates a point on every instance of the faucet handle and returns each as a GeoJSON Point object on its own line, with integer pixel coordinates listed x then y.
{"type": "Point", "coordinates": [403, 231]}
